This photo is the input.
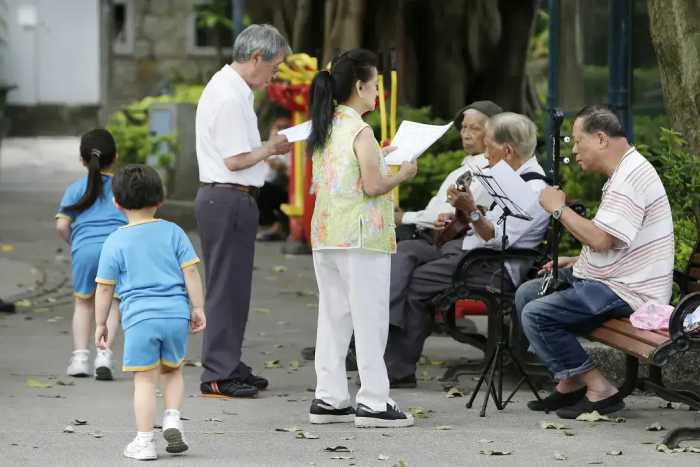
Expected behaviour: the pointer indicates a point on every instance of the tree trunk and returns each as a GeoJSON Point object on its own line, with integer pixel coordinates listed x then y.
{"type": "Point", "coordinates": [505, 80]}
{"type": "Point", "coordinates": [343, 21]}
{"type": "Point", "coordinates": [675, 32]}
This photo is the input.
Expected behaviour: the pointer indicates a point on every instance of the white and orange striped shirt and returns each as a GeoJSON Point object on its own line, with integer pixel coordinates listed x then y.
{"type": "Point", "coordinates": [635, 210]}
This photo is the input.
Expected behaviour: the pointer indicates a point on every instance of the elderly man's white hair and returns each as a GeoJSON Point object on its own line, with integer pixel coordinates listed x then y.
{"type": "Point", "coordinates": [516, 130]}
{"type": "Point", "coordinates": [262, 38]}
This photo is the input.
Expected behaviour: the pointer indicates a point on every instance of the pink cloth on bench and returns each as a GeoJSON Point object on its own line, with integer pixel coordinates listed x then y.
{"type": "Point", "coordinates": [651, 316]}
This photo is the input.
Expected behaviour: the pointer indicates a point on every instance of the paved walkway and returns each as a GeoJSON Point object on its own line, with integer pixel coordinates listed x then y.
{"type": "Point", "coordinates": [35, 345]}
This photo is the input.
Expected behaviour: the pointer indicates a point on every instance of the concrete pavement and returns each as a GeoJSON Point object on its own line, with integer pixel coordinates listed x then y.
{"type": "Point", "coordinates": [35, 345]}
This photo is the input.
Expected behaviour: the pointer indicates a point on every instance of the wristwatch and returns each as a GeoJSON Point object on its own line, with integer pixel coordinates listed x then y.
{"type": "Point", "coordinates": [556, 214]}
{"type": "Point", "coordinates": [474, 216]}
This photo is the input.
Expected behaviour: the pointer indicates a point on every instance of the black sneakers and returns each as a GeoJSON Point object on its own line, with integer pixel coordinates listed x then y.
{"type": "Point", "coordinates": [321, 412]}
{"type": "Point", "coordinates": [227, 389]}
{"type": "Point", "coordinates": [392, 417]}
{"type": "Point", "coordinates": [257, 381]}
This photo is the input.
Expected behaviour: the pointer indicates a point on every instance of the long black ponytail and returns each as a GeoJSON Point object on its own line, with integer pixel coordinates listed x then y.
{"type": "Point", "coordinates": [330, 88]}
{"type": "Point", "coordinates": [98, 150]}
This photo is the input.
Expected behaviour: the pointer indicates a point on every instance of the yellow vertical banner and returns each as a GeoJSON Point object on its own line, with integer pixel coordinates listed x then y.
{"type": "Point", "coordinates": [382, 110]}
{"type": "Point", "coordinates": [392, 125]}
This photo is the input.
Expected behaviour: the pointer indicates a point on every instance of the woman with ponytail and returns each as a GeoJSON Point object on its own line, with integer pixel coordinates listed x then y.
{"type": "Point", "coordinates": [86, 216]}
{"type": "Point", "coordinates": [352, 237]}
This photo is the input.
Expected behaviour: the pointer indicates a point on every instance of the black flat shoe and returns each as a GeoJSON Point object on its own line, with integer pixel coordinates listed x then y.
{"type": "Point", "coordinates": [557, 400]}
{"type": "Point", "coordinates": [605, 406]}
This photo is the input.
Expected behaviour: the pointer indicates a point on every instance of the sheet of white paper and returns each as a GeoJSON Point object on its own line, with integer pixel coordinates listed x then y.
{"type": "Point", "coordinates": [518, 192]}
{"type": "Point", "coordinates": [298, 132]}
{"type": "Point", "coordinates": [412, 139]}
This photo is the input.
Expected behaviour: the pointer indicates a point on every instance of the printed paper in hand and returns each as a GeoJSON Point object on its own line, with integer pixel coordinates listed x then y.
{"type": "Point", "coordinates": [298, 132]}
{"type": "Point", "coordinates": [412, 139]}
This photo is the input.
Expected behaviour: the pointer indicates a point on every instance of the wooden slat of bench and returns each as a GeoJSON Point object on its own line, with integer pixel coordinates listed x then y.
{"type": "Point", "coordinates": [693, 287]}
{"type": "Point", "coordinates": [652, 338]}
{"type": "Point", "coordinates": [694, 273]}
{"type": "Point", "coordinates": [622, 342]}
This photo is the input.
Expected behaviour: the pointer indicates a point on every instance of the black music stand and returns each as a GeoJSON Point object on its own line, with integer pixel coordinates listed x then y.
{"type": "Point", "coordinates": [493, 368]}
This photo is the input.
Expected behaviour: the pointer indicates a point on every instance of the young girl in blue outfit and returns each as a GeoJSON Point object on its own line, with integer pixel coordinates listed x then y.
{"type": "Point", "coordinates": [86, 216]}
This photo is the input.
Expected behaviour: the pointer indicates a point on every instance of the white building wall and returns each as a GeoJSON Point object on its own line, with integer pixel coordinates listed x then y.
{"type": "Point", "coordinates": [52, 52]}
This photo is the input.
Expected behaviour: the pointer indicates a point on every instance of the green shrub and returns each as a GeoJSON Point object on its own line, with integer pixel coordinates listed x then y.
{"type": "Point", "coordinates": [129, 127]}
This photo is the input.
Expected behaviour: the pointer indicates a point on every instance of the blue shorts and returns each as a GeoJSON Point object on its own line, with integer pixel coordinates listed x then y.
{"type": "Point", "coordinates": [156, 341]}
{"type": "Point", "coordinates": [84, 262]}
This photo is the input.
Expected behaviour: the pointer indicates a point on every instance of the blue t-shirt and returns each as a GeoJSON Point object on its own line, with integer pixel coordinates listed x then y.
{"type": "Point", "coordinates": [145, 261]}
{"type": "Point", "coordinates": [93, 225]}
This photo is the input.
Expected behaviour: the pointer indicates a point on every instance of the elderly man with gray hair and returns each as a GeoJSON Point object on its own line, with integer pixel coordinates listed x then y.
{"type": "Point", "coordinates": [231, 155]}
{"type": "Point", "coordinates": [511, 138]}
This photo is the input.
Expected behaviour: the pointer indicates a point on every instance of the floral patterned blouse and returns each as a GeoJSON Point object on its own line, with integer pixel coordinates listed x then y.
{"type": "Point", "coordinates": [344, 215]}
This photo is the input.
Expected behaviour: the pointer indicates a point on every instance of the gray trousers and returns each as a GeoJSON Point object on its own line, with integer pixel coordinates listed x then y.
{"type": "Point", "coordinates": [227, 220]}
{"type": "Point", "coordinates": [420, 271]}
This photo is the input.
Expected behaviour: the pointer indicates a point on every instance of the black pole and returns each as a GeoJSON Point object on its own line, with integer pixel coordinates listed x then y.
{"type": "Point", "coordinates": [557, 120]}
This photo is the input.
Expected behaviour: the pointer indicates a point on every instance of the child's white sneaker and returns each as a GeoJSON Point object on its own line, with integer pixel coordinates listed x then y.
{"type": "Point", "coordinates": [79, 365]}
{"type": "Point", "coordinates": [141, 449]}
{"type": "Point", "coordinates": [103, 365]}
{"type": "Point", "coordinates": [173, 432]}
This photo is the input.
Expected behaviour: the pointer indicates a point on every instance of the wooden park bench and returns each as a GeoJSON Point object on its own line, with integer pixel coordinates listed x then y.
{"type": "Point", "coordinates": [655, 348]}
{"type": "Point", "coordinates": [652, 348]}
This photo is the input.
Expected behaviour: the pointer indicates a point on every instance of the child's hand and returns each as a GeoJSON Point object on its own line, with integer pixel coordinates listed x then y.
{"type": "Point", "coordinates": [197, 321]}
{"type": "Point", "coordinates": [101, 336]}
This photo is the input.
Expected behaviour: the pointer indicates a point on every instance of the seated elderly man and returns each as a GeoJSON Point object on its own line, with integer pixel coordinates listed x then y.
{"type": "Point", "coordinates": [470, 122]}
{"type": "Point", "coordinates": [511, 138]}
{"type": "Point", "coordinates": [626, 261]}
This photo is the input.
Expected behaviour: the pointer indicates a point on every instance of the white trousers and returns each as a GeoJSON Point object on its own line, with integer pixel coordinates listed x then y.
{"type": "Point", "coordinates": [353, 289]}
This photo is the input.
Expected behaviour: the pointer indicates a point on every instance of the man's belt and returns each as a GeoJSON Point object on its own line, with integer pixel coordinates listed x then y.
{"type": "Point", "coordinates": [251, 190]}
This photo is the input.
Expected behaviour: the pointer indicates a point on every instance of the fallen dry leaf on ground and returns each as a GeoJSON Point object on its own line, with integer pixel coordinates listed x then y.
{"type": "Point", "coordinates": [69, 429]}
{"type": "Point", "coordinates": [597, 417]}
{"type": "Point", "coordinates": [559, 456]}
{"type": "Point", "coordinates": [443, 427]}
{"type": "Point", "coordinates": [545, 425]}
{"type": "Point", "coordinates": [290, 429]}
{"type": "Point", "coordinates": [279, 268]}
{"type": "Point", "coordinates": [382, 457]}
{"type": "Point", "coordinates": [454, 392]}
{"type": "Point", "coordinates": [614, 452]}
{"type": "Point", "coordinates": [36, 384]}
{"type": "Point", "coordinates": [419, 412]}
{"type": "Point", "coordinates": [273, 364]}
{"type": "Point", "coordinates": [493, 452]}
{"type": "Point", "coordinates": [306, 435]}
{"type": "Point", "coordinates": [656, 426]}
{"type": "Point", "coordinates": [337, 449]}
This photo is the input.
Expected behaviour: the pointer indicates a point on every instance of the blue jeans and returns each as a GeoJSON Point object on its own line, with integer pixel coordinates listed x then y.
{"type": "Point", "coordinates": [552, 322]}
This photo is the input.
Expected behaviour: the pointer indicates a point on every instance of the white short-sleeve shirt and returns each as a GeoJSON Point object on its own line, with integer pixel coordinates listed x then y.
{"type": "Point", "coordinates": [635, 210]}
{"type": "Point", "coordinates": [521, 233]}
{"type": "Point", "coordinates": [226, 126]}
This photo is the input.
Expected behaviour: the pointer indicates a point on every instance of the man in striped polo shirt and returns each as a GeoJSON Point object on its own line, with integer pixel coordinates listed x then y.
{"type": "Point", "coordinates": [626, 261]}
